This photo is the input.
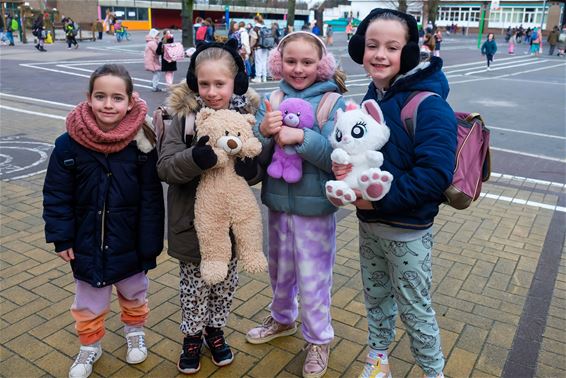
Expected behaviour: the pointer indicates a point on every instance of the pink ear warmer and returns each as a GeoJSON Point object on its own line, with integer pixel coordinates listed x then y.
{"type": "Point", "coordinates": [326, 66]}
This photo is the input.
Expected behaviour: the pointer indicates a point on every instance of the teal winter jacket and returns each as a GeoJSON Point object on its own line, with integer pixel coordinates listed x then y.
{"type": "Point", "coordinates": [306, 197]}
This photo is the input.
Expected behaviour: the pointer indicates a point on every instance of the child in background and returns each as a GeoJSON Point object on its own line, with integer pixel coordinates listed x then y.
{"type": "Point", "coordinates": [427, 47]}
{"type": "Point", "coordinates": [489, 48]}
{"type": "Point", "coordinates": [151, 59]}
{"type": "Point", "coordinates": [396, 232]}
{"type": "Point", "coordinates": [437, 42]}
{"type": "Point", "coordinates": [302, 226]}
{"type": "Point", "coordinates": [109, 238]}
{"type": "Point", "coordinates": [168, 67]}
{"type": "Point", "coordinates": [216, 78]}
{"type": "Point", "coordinates": [511, 44]}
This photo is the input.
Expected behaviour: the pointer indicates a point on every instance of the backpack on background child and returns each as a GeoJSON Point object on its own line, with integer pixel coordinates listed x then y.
{"type": "Point", "coordinates": [473, 163]}
{"type": "Point", "coordinates": [201, 33]}
{"type": "Point", "coordinates": [265, 38]}
{"type": "Point", "coordinates": [173, 52]}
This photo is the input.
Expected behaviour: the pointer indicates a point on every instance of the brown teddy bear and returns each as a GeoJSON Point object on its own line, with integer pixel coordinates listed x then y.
{"type": "Point", "coordinates": [224, 200]}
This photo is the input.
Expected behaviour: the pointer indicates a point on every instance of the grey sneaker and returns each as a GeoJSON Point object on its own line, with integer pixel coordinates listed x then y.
{"type": "Point", "coordinates": [137, 351]}
{"type": "Point", "coordinates": [269, 330]}
{"type": "Point", "coordinates": [316, 361]}
{"type": "Point", "coordinates": [82, 367]}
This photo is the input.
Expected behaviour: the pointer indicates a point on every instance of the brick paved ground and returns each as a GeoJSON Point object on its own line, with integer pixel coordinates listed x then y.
{"type": "Point", "coordinates": [484, 263]}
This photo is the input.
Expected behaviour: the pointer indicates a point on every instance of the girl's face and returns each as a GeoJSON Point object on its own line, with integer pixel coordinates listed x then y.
{"type": "Point", "coordinates": [300, 63]}
{"type": "Point", "coordinates": [215, 83]}
{"type": "Point", "coordinates": [490, 36]}
{"type": "Point", "coordinates": [382, 55]}
{"type": "Point", "coordinates": [109, 101]}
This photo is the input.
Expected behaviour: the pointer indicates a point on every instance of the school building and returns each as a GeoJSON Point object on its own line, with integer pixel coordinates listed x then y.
{"type": "Point", "coordinates": [147, 14]}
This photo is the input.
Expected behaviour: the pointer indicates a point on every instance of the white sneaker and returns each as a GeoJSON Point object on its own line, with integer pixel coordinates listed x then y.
{"type": "Point", "coordinates": [82, 367]}
{"type": "Point", "coordinates": [256, 80]}
{"type": "Point", "coordinates": [137, 351]}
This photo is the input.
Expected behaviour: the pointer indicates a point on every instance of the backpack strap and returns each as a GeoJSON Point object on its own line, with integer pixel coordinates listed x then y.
{"type": "Point", "coordinates": [325, 106]}
{"type": "Point", "coordinates": [323, 110]}
{"type": "Point", "coordinates": [410, 109]}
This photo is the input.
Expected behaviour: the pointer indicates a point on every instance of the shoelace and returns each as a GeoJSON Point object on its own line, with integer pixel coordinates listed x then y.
{"type": "Point", "coordinates": [85, 357]}
{"type": "Point", "coordinates": [268, 322]}
{"type": "Point", "coordinates": [217, 342]}
{"type": "Point", "coordinates": [136, 341]}
{"type": "Point", "coordinates": [192, 349]}
{"type": "Point", "coordinates": [314, 354]}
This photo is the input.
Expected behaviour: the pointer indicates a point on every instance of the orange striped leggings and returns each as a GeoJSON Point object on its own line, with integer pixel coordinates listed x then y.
{"type": "Point", "coordinates": [93, 303]}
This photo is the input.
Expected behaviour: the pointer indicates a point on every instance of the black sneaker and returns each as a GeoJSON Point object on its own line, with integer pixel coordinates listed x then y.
{"type": "Point", "coordinates": [189, 362]}
{"type": "Point", "coordinates": [221, 353]}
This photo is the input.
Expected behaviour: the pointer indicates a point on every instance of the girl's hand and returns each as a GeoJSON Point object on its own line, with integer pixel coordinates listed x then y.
{"type": "Point", "coordinates": [67, 254]}
{"type": "Point", "coordinates": [361, 203]}
{"type": "Point", "coordinates": [290, 136]}
{"type": "Point", "coordinates": [272, 121]}
{"type": "Point", "coordinates": [341, 170]}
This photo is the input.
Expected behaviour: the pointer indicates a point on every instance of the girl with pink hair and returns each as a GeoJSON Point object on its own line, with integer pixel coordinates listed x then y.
{"type": "Point", "coordinates": [302, 226]}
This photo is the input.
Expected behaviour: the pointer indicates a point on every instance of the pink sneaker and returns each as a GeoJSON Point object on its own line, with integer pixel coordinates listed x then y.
{"type": "Point", "coordinates": [269, 330]}
{"type": "Point", "coordinates": [316, 361]}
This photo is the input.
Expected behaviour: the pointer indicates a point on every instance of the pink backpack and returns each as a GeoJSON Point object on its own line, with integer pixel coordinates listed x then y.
{"type": "Point", "coordinates": [473, 164]}
{"type": "Point", "coordinates": [173, 52]}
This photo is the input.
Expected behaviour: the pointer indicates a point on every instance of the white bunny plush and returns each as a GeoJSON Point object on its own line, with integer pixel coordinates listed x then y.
{"type": "Point", "coordinates": [357, 137]}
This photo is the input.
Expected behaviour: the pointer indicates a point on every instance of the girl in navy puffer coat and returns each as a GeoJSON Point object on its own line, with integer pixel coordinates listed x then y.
{"type": "Point", "coordinates": [103, 209]}
{"type": "Point", "coordinates": [396, 231]}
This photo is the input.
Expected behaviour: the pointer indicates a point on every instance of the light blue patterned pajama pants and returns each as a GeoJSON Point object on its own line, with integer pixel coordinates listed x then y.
{"type": "Point", "coordinates": [301, 256]}
{"type": "Point", "coordinates": [397, 277]}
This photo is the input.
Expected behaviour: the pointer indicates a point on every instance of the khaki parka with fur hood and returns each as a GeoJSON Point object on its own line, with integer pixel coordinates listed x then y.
{"type": "Point", "coordinates": [177, 168]}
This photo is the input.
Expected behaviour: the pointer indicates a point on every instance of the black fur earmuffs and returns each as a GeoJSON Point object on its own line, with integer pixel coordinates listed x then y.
{"type": "Point", "coordinates": [410, 55]}
{"type": "Point", "coordinates": [240, 81]}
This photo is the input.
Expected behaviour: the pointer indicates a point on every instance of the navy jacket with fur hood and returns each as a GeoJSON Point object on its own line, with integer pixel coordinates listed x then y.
{"type": "Point", "coordinates": [108, 208]}
{"type": "Point", "coordinates": [422, 165]}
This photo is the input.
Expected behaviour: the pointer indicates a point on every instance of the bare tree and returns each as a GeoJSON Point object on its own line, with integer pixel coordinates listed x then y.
{"type": "Point", "coordinates": [432, 10]}
{"type": "Point", "coordinates": [187, 22]}
{"type": "Point", "coordinates": [291, 14]}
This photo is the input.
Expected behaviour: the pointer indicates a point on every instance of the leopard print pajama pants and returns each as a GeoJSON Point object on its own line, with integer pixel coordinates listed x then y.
{"type": "Point", "coordinates": [203, 305]}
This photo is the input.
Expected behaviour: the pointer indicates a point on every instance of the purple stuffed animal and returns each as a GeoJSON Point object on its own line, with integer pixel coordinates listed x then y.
{"type": "Point", "coordinates": [286, 162]}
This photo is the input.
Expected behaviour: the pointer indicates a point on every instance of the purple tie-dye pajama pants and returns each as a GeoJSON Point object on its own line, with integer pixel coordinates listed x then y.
{"type": "Point", "coordinates": [301, 257]}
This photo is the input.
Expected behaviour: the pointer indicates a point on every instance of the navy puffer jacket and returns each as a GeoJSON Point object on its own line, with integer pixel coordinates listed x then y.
{"type": "Point", "coordinates": [108, 208]}
{"type": "Point", "coordinates": [422, 166]}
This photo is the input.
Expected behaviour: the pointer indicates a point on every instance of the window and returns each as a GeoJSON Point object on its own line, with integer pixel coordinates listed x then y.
{"type": "Point", "coordinates": [143, 14]}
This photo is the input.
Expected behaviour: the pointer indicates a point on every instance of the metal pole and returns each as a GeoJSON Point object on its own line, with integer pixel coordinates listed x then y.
{"type": "Point", "coordinates": [480, 32]}
{"type": "Point", "coordinates": [542, 21]}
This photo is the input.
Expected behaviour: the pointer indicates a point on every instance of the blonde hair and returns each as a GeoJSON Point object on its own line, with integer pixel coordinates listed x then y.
{"type": "Point", "coordinates": [217, 54]}
{"type": "Point", "coordinates": [339, 75]}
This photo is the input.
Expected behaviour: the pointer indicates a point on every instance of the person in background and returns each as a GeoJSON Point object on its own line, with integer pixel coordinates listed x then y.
{"type": "Point", "coordinates": [99, 28]}
{"type": "Point", "coordinates": [553, 40]}
{"type": "Point", "coordinates": [427, 47]}
{"type": "Point", "coordinates": [437, 42]}
{"type": "Point", "coordinates": [168, 67]}
{"type": "Point", "coordinates": [39, 32]}
{"type": "Point", "coordinates": [245, 49]}
{"type": "Point", "coordinates": [9, 29]}
{"type": "Point", "coordinates": [151, 58]}
{"type": "Point", "coordinates": [489, 48]}
{"type": "Point", "coordinates": [329, 35]}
